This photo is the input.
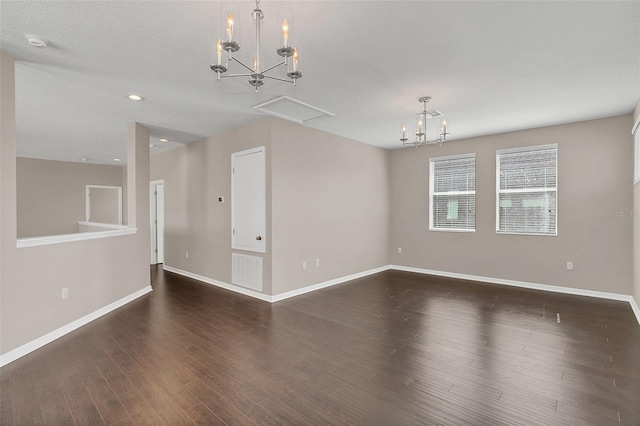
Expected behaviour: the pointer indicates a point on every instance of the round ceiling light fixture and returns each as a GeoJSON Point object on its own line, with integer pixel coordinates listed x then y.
{"type": "Point", "coordinates": [164, 140]}
{"type": "Point", "coordinates": [135, 97]}
{"type": "Point", "coordinates": [35, 41]}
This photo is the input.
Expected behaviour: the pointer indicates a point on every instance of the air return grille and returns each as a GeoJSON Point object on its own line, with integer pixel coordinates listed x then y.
{"type": "Point", "coordinates": [246, 271]}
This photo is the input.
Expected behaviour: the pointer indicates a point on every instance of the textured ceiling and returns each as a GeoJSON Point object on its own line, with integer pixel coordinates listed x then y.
{"type": "Point", "coordinates": [491, 67]}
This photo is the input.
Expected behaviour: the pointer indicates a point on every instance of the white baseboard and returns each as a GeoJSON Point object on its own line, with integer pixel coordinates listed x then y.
{"type": "Point", "coordinates": [524, 284]}
{"type": "Point", "coordinates": [277, 297]}
{"type": "Point", "coordinates": [325, 284]}
{"type": "Point", "coordinates": [56, 334]}
{"type": "Point", "coordinates": [221, 284]}
{"type": "Point", "coordinates": [635, 308]}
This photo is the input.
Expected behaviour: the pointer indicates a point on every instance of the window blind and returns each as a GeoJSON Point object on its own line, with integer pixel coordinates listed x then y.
{"type": "Point", "coordinates": [452, 193]}
{"type": "Point", "coordinates": [526, 190]}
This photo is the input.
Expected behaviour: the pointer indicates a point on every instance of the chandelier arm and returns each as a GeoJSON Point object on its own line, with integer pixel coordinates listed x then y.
{"type": "Point", "coordinates": [275, 66]}
{"type": "Point", "coordinates": [241, 63]}
{"type": "Point", "coordinates": [416, 144]}
{"type": "Point", "coordinates": [236, 75]}
{"type": "Point", "coordinates": [279, 79]}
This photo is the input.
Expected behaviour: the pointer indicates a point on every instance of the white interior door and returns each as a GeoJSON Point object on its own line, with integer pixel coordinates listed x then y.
{"type": "Point", "coordinates": [248, 200]}
{"type": "Point", "coordinates": [157, 221]}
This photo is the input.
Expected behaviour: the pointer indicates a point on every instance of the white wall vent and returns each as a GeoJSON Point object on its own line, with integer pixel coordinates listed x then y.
{"type": "Point", "coordinates": [292, 110]}
{"type": "Point", "coordinates": [246, 271]}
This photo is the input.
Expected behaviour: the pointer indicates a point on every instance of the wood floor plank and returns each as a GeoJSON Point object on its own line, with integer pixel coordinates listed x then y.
{"type": "Point", "coordinates": [55, 409]}
{"type": "Point", "coordinates": [139, 410]}
{"type": "Point", "coordinates": [25, 406]}
{"type": "Point", "coordinates": [105, 401]}
{"type": "Point", "coordinates": [80, 403]}
{"type": "Point", "coordinates": [201, 415]}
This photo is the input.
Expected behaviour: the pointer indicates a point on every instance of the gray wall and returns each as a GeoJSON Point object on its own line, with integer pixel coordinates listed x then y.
{"type": "Point", "coordinates": [595, 175]}
{"type": "Point", "coordinates": [51, 194]}
{"type": "Point", "coordinates": [327, 198]}
{"type": "Point", "coordinates": [330, 202]}
{"type": "Point", "coordinates": [96, 272]}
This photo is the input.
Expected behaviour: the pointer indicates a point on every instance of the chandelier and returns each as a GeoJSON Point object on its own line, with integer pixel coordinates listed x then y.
{"type": "Point", "coordinates": [257, 73]}
{"type": "Point", "coordinates": [420, 134]}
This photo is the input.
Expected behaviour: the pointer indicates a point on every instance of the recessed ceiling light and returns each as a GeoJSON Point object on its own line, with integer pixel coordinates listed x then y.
{"type": "Point", "coordinates": [135, 97]}
{"type": "Point", "coordinates": [35, 41]}
{"type": "Point", "coordinates": [151, 145]}
{"type": "Point", "coordinates": [117, 159]}
{"type": "Point", "coordinates": [164, 140]}
{"type": "Point", "coordinates": [84, 159]}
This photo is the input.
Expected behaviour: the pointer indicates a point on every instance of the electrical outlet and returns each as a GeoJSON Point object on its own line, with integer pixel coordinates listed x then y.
{"type": "Point", "coordinates": [186, 254]}
{"type": "Point", "coordinates": [304, 265]}
{"type": "Point", "coordinates": [569, 265]}
{"type": "Point", "coordinates": [317, 263]}
{"type": "Point", "coordinates": [399, 250]}
{"type": "Point", "coordinates": [65, 293]}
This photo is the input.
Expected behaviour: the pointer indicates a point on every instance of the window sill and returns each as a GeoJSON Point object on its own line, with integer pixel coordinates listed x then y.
{"type": "Point", "coordinates": [527, 234]}
{"type": "Point", "coordinates": [66, 238]}
{"type": "Point", "coordinates": [103, 225]}
{"type": "Point", "coordinates": [451, 230]}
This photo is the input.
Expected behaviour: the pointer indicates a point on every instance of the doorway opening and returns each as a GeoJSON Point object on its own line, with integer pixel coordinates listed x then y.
{"type": "Point", "coordinates": [156, 200]}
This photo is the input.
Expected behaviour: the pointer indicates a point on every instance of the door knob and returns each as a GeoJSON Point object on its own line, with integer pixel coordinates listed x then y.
{"type": "Point", "coordinates": [258, 238]}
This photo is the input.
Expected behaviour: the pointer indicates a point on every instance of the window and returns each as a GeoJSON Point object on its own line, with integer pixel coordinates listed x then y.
{"type": "Point", "coordinates": [103, 204]}
{"type": "Point", "coordinates": [452, 193]}
{"type": "Point", "coordinates": [527, 190]}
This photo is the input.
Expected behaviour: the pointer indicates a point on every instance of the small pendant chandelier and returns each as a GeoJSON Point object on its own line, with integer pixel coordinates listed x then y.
{"type": "Point", "coordinates": [420, 134]}
{"type": "Point", "coordinates": [257, 74]}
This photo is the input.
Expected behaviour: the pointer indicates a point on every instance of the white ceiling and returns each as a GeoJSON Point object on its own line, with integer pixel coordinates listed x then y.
{"type": "Point", "coordinates": [491, 67]}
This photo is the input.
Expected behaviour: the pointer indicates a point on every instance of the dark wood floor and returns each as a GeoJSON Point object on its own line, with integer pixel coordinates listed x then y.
{"type": "Point", "coordinates": [390, 349]}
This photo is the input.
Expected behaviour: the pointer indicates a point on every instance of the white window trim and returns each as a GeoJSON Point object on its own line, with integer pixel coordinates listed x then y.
{"type": "Point", "coordinates": [635, 132]}
{"type": "Point", "coordinates": [432, 193]}
{"type": "Point", "coordinates": [88, 201]}
{"type": "Point", "coordinates": [527, 148]}
{"type": "Point", "coordinates": [506, 191]}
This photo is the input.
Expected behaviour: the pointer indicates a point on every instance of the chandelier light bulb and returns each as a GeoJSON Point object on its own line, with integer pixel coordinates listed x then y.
{"type": "Point", "coordinates": [219, 51]}
{"type": "Point", "coordinates": [285, 33]}
{"type": "Point", "coordinates": [295, 59]}
{"type": "Point", "coordinates": [230, 26]}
